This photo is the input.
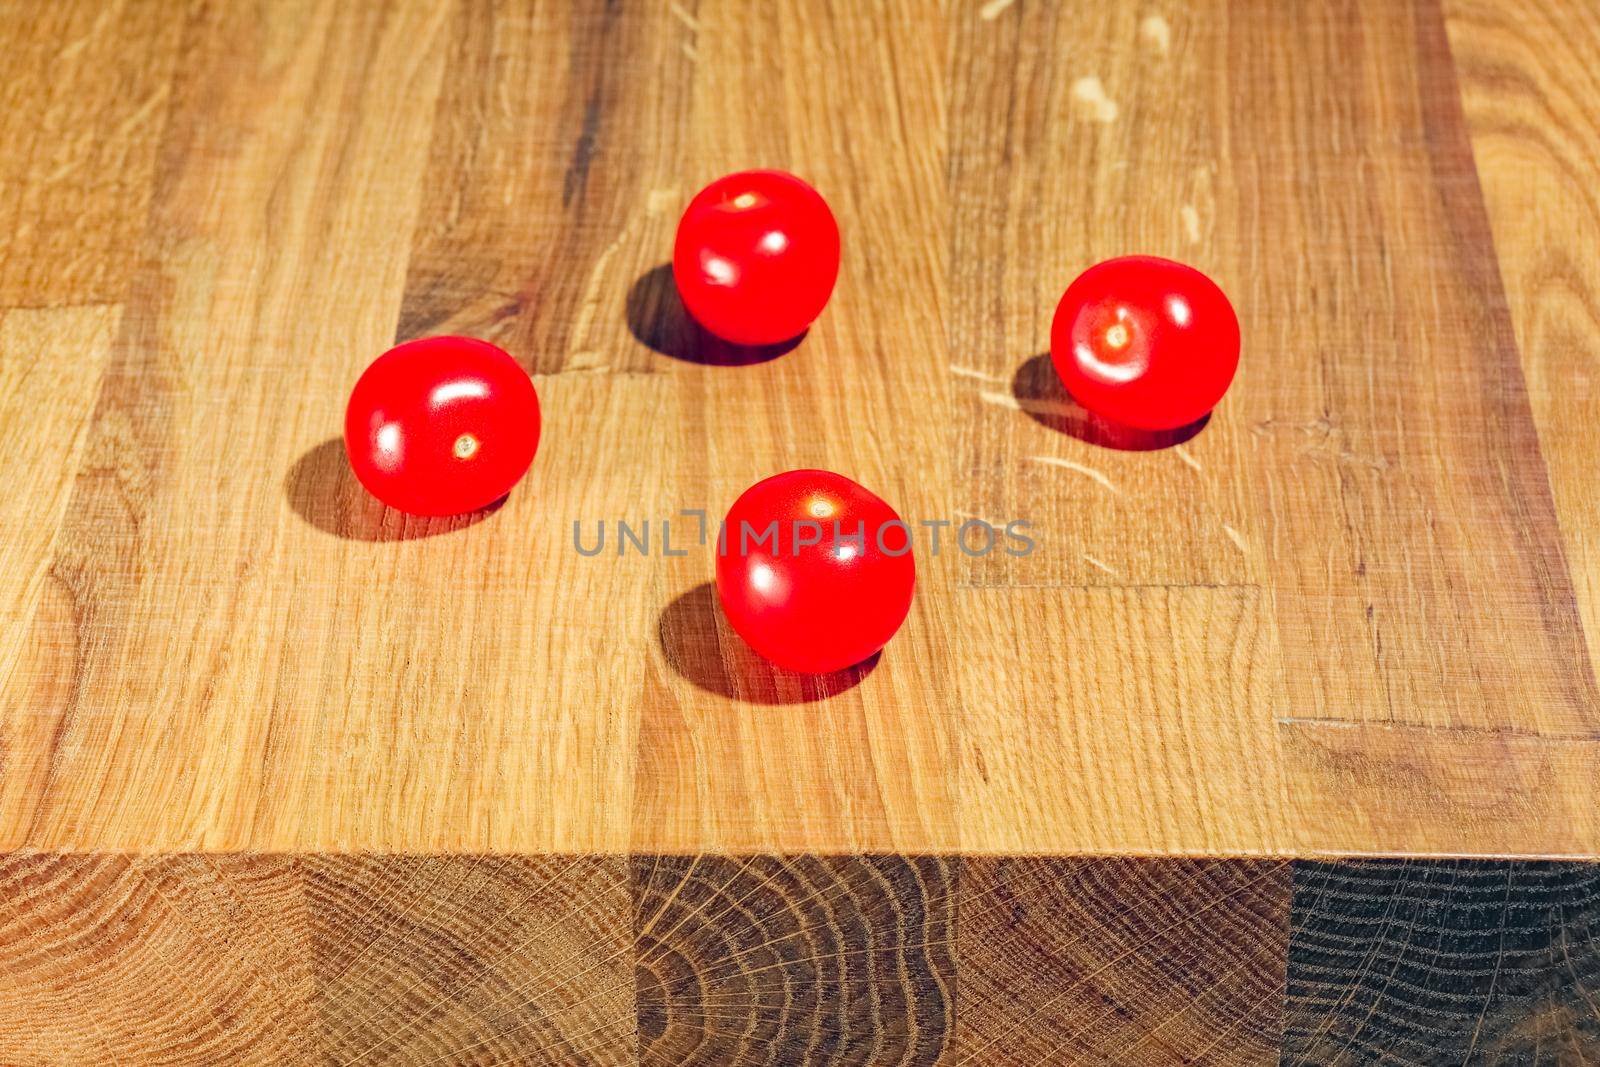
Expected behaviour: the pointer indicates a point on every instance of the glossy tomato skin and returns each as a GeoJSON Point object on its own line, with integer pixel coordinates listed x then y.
{"type": "Point", "coordinates": [756, 256]}
{"type": "Point", "coordinates": [815, 607]}
{"type": "Point", "coordinates": [442, 426]}
{"type": "Point", "coordinates": [1145, 342]}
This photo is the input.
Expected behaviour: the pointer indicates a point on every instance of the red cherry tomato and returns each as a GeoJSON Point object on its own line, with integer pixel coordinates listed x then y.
{"type": "Point", "coordinates": [810, 596]}
{"type": "Point", "coordinates": [756, 256]}
{"type": "Point", "coordinates": [442, 426]}
{"type": "Point", "coordinates": [1145, 342]}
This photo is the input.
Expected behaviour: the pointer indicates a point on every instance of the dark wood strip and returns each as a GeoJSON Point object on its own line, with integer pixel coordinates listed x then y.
{"type": "Point", "coordinates": [1444, 962]}
{"type": "Point", "coordinates": [795, 960]}
{"type": "Point", "coordinates": [1121, 961]}
{"type": "Point", "coordinates": [547, 185]}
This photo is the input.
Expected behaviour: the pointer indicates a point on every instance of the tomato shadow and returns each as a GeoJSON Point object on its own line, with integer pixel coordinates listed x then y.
{"type": "Point", "coordinates": [659, 321]}
{"type": "Point", "coordinates": [1041, 396]}
{"type": "Point", "coordinates": [323, 490]}
{"type": "Point", "coordinates": [699, 644]}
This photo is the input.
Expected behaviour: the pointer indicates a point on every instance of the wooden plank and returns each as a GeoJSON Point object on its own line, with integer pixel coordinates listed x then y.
{"type": "Point", "coordinates": [1517, 767]}
{"type": "Point", "coordinates": [1407, 514]}
{"type": "Point", "coordinates": [1150, 731]}
{"type": "Point", "coordinates": [1448, 962]}
{"type": "Point", "coordinates": [869, 769]}
{"type": "Point", "coordinates": [1528, 92]}
{"type": "Point", "coordinates": [81, 115]}
{"type": "Point", "coordinates": [795, 960]}
{"type": "Point", "coordinates": [173, 959]}
{"type": "Point", "coordinates": [1077, 136]}
{"type": "Point", "coordinates": [472, 959]}
{"type": "Point", "coordinates": [1121, 961]}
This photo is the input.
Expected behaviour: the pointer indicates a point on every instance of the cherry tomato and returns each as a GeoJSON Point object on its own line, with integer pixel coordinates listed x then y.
{"type": "Point", "coordinates": [1145, 342]}
{"type": "Point", "coordinates": [442, 426]}
{"type": "Point", "coordinates": [814, 571]}
{"type": "Point", "coordinates": [756, 256]}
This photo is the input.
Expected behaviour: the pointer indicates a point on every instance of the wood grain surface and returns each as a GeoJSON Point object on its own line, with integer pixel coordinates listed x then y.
{"type": "Point", "coordinates": [1287, 631]}
{"type": "Point", "coordinates": [1345, 614]}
